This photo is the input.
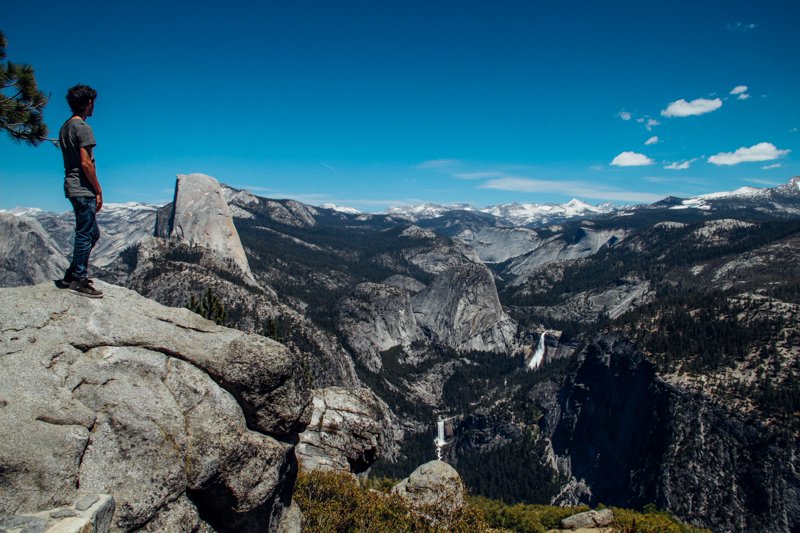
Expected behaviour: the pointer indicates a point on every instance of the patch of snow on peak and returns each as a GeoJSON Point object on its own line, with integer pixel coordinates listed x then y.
{"type": "Point", "coordinates": [24, 211]}
{"type": "Point", "coordinates": [427, 210]}
{"type": "Point", "coordinates": [670, 225]}
{"type": "Point", "coordinates": [131, 206]}
{"type": "Point", "coordinates": [742, 191]}
{"type": "Point", "coordinates": [342, 209]}
{"type": "Point", "coordinates": [693, 203]}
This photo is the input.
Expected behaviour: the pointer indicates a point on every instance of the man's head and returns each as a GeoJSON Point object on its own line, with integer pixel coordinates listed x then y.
{"type": "Point", "coordinates": [81, 99]}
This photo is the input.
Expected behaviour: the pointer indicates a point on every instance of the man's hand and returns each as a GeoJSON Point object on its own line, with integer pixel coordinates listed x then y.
{"type": "Point", "coordinates": [99, 200]}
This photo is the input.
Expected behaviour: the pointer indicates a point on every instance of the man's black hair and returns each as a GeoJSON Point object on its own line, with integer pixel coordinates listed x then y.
{"type": "Point", "coordinates": [78, 97]}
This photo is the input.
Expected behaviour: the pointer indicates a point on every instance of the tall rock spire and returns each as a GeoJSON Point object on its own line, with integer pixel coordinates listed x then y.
{"type": "Point", "coordinates": [200, 216]}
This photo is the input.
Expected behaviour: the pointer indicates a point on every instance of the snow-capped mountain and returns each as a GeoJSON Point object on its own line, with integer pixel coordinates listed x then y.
{"type": "Point", "coordinates": [781, 199]}
{"type": "Point", "coordinates": [516, 214]}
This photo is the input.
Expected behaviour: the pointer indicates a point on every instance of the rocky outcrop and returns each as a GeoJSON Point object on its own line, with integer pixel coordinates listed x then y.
{"type": "Point", "coordinates": [187, 424]}
{"type": "Point", "coordinates": [434, 485]}
{"type": "Point", "coordinates": [404, 282]}
{"type": "Point", "coordinates": [201, 217]}
{"type": "Point", "coordinates": [28, 254]}
{"type": "Point", "coordinates": [349, 431]}
{"type": "Point", "coordinates": [461, 309]}
{"type": "Point", "coordinates": [588, 520]}
{"type": "Point", "coordinates": [90, 514]}
{"type": "Point", "coordinates": [376, 318]}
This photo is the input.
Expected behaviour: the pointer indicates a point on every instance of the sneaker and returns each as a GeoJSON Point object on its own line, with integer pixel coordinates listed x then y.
{"type": "Point", "coordinates": [85, 288]}
{"type": "Point", "coordinates": [65, 283]}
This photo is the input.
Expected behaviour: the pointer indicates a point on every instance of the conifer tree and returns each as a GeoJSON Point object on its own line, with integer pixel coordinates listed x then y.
{"type": "Point", "coordinates": [209, 307]}
{"type": "Point", "coordinates": [21, 101]}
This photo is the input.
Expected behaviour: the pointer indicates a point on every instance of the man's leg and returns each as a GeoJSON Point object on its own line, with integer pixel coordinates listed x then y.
{"type": "Point", "coordinates": [86, 235]}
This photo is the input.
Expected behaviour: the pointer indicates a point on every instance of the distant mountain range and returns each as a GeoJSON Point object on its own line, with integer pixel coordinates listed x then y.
{"type": "Point", "coordinates": [664, 336]}
{"type": "Point", "coordinates": [784, 197]}
{"type": "Point", "coordinates": [775, 200]}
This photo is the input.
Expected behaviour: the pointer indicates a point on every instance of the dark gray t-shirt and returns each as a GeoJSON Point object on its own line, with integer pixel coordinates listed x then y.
{"type": "Point", "coordinates": [74, 134]}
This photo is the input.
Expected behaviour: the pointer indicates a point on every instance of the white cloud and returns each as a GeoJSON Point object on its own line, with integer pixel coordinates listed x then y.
{"type": "Point", "coordinates": [624, 115]}
{"type": "Point", "coordinates": [740, 91]}
{"type": "Point", "coordinates": [759, 152]}
{"type": "Point", "coordinates": [775, 165]}
{"type": "Point", "coordinates": [569, 188]}
{"type": "Point", "coordinates": [699, 106]}
{"type": "Point", "coordinates": [648, 122]}
{"type": "Point", "coordinates": [651, 140]}
{"type": "Point", "coordinates": [631, 159]}
{"type": "Point", "coordinates": [683, 165]}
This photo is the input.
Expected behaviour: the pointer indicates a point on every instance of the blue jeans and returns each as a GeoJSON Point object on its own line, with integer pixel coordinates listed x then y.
{"type": "Point", "coordinates": [86, 235]}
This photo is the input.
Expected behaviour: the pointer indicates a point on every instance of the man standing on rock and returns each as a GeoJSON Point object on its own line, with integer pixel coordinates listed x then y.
{"type": "Point", "coordinates": [81, 186]}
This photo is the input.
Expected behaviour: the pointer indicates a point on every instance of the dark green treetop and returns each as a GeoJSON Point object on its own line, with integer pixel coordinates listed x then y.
{"type": "Point", "coordinates": [21, 101]}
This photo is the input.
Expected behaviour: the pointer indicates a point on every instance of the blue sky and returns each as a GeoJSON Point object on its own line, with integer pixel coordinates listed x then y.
{"type": "Point", "coordinates": [370, 104]}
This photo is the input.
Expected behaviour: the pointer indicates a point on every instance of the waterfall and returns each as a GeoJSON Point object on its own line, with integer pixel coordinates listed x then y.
{"type": "Point", "coordinates": [538, 357]}
{"type": "Point", "coordinates": [441, 440]}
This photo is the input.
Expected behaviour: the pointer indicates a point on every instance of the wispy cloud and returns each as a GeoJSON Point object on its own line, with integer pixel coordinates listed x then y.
{"type": "Point", "coordinates": [680, 165]}
{"type": "Point", "coordinates": [740, 26]}
{"type": "Point", "coordinates": [333, 169]}
{"type": "Point", "coordinates": [439, 163]}
{"type": "Point", "coordinates": [631, 159]}
{"type": "Point", "coordinates": [740, 91]}
{"type": "Point", "coordinates": [699, 106]}
{"type": "Point", "coordinates": [769, 167]}
{"type": "Point", "coordinates": [652, 140]}
{"type": "Point", "coordinates": [570, 188]}
{"type": "Point", "coordinates": [625, 115]}
{"type": "Point", "coordinates": [477, 175]}
{"type": "Point", "coordinates": [674, 180]}
{"type": "Point", "coordinates": [758, 181]}
{"type": "Point", "coordinates": [763, 151]}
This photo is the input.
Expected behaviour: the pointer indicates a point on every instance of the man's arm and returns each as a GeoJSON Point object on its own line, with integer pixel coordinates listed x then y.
{"type": "Point", "coordinates": [91, 174]}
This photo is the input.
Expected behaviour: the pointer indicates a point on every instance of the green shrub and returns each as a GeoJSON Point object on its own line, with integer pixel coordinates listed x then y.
{"type": "Point", "coordinates": [337, 502]}
{"type": "Point", "coordinates": [521, 517]}
{"type": "Point", "coordinates": [650, 521]}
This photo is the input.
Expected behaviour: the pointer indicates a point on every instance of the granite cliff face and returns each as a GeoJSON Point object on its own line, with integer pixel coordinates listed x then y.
{"type": "Point", "coordinates": [461, 309]}
{"type": "Point", "coordinates": [200, 217]}
{"type": "Point", "coordinates": [187, 424]}
{"type": "Point", "coordinates": [627, 438]}
{"type": "Point", "coordinates": [27, 253]}
{"type": "Point", "coordinates": [376, 318]}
